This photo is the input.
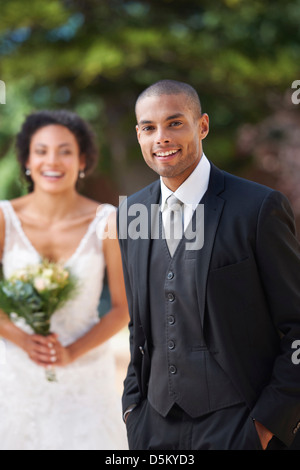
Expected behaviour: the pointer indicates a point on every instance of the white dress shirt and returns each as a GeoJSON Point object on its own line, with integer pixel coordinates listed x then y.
{"type": "Point", "coordinates": [191, 191]}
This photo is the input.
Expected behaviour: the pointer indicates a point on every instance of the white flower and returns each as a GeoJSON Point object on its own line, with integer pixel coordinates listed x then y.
{"type": "Point", "coordinates": [47, 273]}
{"type": "Point", "coordinates": [20, 275]}
{"type": "Point", "coordinates": [41, 283]}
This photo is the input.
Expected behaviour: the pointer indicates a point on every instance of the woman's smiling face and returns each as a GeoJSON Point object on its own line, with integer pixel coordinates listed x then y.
{"type": "Point", "coordinates": [54, 158]}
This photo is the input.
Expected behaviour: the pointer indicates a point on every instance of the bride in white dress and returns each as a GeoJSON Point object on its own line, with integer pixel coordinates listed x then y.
{"type": "Point", "coordinates": [82, 410]}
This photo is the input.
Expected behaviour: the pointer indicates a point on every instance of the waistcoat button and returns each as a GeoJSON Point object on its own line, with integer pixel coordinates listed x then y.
{"type": "Point", "coordinates": [171, 344]}
{"type": "Point", "coordinates": [172, 369]}
{"type": "Point", "coordinates": [170, 275]}
{"type": "Point", "coordinates": [171, 320]}
{"type": "Point", "coordinates": [171, 297]}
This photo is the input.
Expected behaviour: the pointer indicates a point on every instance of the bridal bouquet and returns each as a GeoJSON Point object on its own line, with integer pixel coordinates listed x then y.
{"type": "Point", "coordinates": [35, 293]}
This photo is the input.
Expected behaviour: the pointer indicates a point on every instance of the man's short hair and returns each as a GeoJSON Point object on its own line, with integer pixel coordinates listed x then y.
{"type": "Point", "coordinates": [173, 87]}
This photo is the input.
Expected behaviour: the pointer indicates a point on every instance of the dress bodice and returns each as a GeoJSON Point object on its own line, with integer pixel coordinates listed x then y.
{"type": "Point", "coordinates": [82, 410]}
{"type": "Point", "coordinates": [87, 264]}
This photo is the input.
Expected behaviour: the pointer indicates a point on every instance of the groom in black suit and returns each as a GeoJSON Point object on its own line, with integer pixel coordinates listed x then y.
{"type": "Point", "coordinates": [214, 322]}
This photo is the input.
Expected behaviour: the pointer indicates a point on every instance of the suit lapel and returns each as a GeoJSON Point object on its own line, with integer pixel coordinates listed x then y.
{"type": "Point", "coordinates": [213, 207]}
{"type": "Point", "coordinates": [151, 207]}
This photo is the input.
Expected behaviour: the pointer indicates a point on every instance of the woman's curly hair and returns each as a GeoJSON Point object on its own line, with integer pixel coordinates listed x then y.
{"type": "Point", "coordinates": [81, 130]}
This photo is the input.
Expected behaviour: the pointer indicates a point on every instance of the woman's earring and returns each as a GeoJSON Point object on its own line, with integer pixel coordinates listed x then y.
{"type": "Point", "coordinates": [81, 174]}
{"type": "Point", "coordinates": [27, 172]}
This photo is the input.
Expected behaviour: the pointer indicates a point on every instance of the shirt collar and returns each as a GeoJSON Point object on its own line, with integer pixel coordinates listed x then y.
{"type": "Point", "coordinates": [193, 188]}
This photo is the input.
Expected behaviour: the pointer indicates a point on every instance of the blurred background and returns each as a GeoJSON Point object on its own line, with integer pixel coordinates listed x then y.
{"type": "Point", "coordinates": [95, 56]}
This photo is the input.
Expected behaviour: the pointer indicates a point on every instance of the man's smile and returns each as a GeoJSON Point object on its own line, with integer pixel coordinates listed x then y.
{"type": "Point", "coordinates": [166, 155]}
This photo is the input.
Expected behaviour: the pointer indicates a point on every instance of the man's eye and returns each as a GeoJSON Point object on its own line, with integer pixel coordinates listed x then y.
{"type": "Point", "coordinates": [148, 128]}
{"type": "Point", "coordinates": [175, 123]}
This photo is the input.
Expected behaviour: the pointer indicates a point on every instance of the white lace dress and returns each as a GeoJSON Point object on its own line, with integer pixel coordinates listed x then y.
{"type": "Point", "coordinates": [82, 410]}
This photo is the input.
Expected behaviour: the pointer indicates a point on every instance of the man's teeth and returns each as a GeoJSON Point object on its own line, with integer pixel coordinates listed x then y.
{"type": "Point", "coordinates": [52, 173]}
{"type": "Point", "coordinates": [166, 154]}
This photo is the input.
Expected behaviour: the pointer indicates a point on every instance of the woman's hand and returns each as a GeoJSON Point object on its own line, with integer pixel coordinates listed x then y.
{"type": "Point", "coordinates": [46, 351]}
{"type": "Point", "coordinates": [40, 349]}
{"type": "Point", "coordinates": [62, 356]}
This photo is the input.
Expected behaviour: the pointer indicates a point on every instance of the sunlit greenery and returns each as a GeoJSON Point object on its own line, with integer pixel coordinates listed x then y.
{"type": "Point", "coordinates": [94, 57]}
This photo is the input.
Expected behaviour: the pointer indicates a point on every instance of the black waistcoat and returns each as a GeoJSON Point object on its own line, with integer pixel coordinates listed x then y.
{"type": "Point", "coordinates": [183, 370]}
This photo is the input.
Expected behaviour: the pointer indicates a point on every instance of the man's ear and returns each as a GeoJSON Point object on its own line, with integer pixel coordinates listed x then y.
{"type": "Point", "coordinates": [137, 132]}
{"type": "Point", "coordinates": [203, 125]}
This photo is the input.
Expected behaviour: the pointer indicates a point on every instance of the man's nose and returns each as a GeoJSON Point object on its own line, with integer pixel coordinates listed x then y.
{"type": "Point", "coordinates": [162, 136]}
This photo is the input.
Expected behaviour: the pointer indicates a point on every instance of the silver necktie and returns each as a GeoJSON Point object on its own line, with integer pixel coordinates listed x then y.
{"type": "Point", "coordinates": [173, 223]}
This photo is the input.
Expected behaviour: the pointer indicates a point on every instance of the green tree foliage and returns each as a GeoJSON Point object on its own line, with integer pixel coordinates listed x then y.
{"type": "Point", "coordinates": [96, 56]}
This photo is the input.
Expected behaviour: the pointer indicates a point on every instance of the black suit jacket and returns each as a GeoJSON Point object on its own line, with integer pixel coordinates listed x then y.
{"type": "Point", "coordinates": [248, 282]}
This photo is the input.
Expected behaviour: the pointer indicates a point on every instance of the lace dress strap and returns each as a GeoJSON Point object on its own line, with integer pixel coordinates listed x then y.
{"type": "Point", "coordinates": [5, 206]}
{"type": "Point", "coordinates": [13, 228]}
{"type": "Point", "coordinates": [103, 213]}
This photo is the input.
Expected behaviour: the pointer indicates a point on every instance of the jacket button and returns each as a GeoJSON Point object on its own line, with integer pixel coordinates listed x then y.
{"type": "Point", "coordinates": [171, 297]}
{"type": "Point", "coordinates": [141, 350]}
{"type": "Point", "coordinates": [172, 369]}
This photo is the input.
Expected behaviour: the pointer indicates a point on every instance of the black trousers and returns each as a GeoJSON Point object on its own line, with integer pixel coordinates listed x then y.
{"type": "Point", "coordinates": [231, 428]}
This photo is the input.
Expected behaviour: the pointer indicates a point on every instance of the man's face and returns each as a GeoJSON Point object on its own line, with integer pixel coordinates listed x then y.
{"type": "Point", "coordinates": [170, 136]}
